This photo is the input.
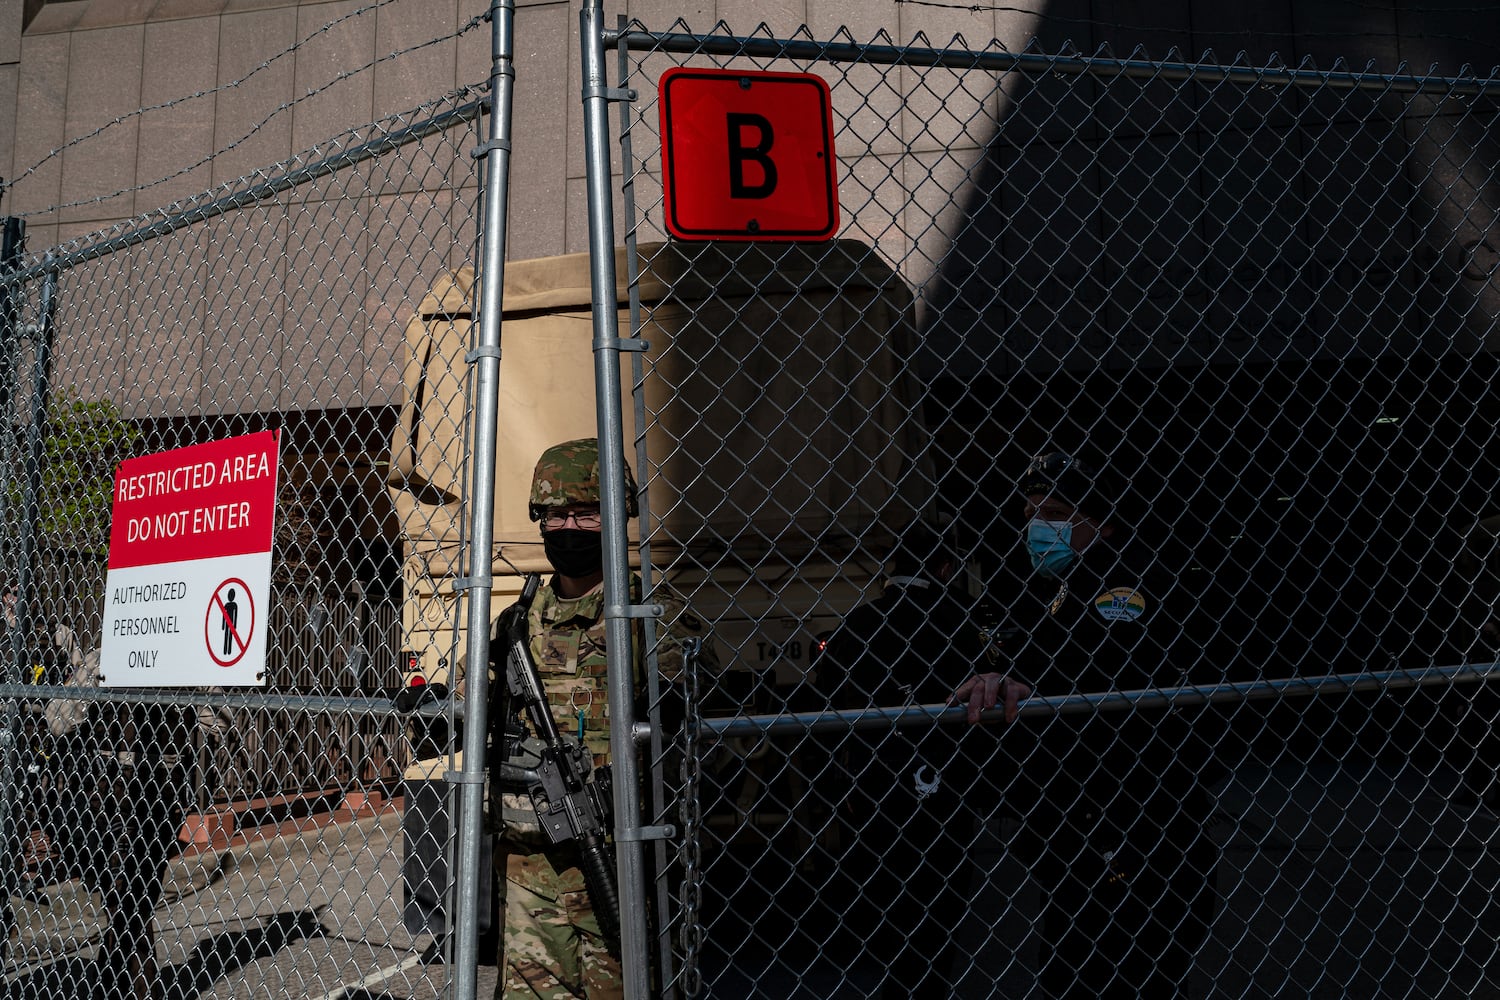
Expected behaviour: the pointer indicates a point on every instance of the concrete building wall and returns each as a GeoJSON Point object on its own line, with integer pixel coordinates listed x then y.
{"type": "Point", "coordinates": [79, 64]}
{"type": "Point", "coordinates": [111, 110]}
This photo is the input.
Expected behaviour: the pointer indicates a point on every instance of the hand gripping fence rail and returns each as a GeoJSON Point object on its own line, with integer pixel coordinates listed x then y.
{"type": "Point", "coordinates": [700, 733]}
{"type": "Point", "coordinates": [1107, 701]}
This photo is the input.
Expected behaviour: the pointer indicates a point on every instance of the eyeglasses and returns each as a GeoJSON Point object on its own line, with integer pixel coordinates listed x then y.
{"type": "Point", "coordinates": [554, 520]}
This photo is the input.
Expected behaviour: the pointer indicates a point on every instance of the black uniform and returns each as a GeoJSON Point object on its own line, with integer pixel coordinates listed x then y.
{"type": "Point", "coordinates": [1112, 804]}
{"type": "Point", "coordinates": [905, 813]}
{"type": "Point", "coordinates": [122, 783]}
{"type": "Point", "coordinates": [38, 659]}
{"type": "Point", "coordinates": [1475, 638]}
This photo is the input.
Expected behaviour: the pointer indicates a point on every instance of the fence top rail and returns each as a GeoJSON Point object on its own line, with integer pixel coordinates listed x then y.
{"type": "Point", "coordinates": [999, 61]}
{"type": "Point", "coordinates": [263, 191]}
{"type": "Point", "coordinates": [1072, 704]}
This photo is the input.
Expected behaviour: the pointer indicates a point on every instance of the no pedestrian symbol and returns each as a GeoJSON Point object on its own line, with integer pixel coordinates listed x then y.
{"type": "Point", "coordinates": [230, 622]}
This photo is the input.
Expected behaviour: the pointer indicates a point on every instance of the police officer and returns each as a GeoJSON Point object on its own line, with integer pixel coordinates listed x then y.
{"type": "Point", "coordinates": [552, 946]}
{"type": "Point", "coordinates": [44, 655]}
{"type": "Point", "coordinates": [48, 653]}
{"type": "Point", "coordinates": [124, 777]}
{"type": "Point", "coordinates": [905, 811]}
{"type": "Point", "coordinates": [1111, 805]}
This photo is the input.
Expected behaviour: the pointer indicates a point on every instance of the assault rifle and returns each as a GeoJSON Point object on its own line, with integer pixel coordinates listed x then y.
{"type": "Point", "coordinates": [572, 801]}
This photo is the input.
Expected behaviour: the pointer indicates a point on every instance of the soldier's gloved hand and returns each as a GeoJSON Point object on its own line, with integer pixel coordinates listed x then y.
{"type": "Point", "coordinates": [409, 699]}
{"type": "Point", "coordinates": [511, 620]}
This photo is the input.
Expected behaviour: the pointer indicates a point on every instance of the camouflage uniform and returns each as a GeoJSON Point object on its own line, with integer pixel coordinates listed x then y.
{"type": "Point", "coordinates": [552, 946]}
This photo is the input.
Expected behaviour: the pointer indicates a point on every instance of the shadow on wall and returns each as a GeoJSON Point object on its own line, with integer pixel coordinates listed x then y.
{"type": "Point", "coordinates": [1271, 304]}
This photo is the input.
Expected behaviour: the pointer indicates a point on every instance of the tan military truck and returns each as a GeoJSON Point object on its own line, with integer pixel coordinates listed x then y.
{"type": "Point", "coordinates": [779, 426]}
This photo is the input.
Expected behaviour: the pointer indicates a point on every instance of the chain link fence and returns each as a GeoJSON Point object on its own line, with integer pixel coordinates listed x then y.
{"type": "Point", "coordinates": [1247, 315]}
{"type": "Point", "coordinates": [244, 842]}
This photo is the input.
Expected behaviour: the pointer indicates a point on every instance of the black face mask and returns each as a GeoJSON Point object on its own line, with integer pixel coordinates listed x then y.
{"type": "Point", "coordinates": [574, 552]}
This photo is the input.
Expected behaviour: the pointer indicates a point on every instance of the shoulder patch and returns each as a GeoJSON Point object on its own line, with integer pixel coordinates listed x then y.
{"type": "Point", "coordinates": [1120, 604]}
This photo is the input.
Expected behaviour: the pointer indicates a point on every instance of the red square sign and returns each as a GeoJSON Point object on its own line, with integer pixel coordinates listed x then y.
{"type": "Point", "coordinates": [747, 155]}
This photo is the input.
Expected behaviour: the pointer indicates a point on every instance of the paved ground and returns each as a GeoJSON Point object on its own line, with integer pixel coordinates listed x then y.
{"type": "Point", "coordinates": [1337, 880]}
{"type": "Point", "coordinates": [307, 908]}
{"type": "Point", "coordinates": [1336, 883]}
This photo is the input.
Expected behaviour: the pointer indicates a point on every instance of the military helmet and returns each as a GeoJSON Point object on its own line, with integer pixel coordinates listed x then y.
{"type": "Point", "coordinates": [568, 473]}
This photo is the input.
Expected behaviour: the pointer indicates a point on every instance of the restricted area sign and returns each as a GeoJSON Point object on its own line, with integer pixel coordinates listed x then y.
{"type": "Point", "coordinates": [190, 566]}
{"type": "Point", "coordinates": [747, 155]}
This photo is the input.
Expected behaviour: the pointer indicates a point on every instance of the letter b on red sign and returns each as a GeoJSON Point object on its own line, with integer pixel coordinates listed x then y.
{"type": "Point", "coordinates": [748, 155]}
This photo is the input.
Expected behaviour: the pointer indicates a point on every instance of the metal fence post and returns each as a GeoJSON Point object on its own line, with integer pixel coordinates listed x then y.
{"type": "Point", "coordinates": [10, 652]}
{"type": "Point", "coordinates": [485, 404]}
{"type": "Point", "coordinates": [630, 858]}
{"type": "Point", "coordinates": [36, 435]}
{"type": "Point", "coordinates": [10, 336]}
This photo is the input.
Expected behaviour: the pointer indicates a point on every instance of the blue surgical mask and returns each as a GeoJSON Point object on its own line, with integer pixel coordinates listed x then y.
{"type": "Point", "coordinates": [1050, 545]}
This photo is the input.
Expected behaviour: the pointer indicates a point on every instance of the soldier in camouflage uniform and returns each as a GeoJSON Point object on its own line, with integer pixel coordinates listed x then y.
{"type": "Point", "coordinates": [552, 946]}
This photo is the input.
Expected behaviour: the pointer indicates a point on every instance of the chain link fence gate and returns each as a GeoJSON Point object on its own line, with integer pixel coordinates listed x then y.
{"type": "Point", "coordinates": [1255, 307]}
{"type": "Point", "coordinates": [244, 842]}
{"type": "Point", "coordinates": [1263, 298]}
